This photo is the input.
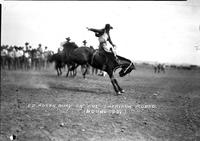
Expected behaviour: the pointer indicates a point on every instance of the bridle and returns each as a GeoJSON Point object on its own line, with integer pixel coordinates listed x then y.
{"type": "Point", "coordinates": [128, 67]}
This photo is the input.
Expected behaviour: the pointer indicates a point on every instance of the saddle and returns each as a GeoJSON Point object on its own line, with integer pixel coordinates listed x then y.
{"type": "Point", "coordinates": [103, 55]}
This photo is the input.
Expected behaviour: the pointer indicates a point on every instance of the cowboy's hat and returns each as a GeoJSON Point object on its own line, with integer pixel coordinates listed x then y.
{"type": "Point", "coordinates": [108, 26]}
{"type": "Point", "coordinates": [68, 38]}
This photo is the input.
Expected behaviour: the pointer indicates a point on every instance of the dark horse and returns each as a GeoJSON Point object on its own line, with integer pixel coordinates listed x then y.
{"type": "Point", "coordinates": [63, 58]}
{"type": "Point", "coordinates": [60, 62]}
{"type": "Point", "coordinates": [88, 56]}
{"type": "Point", "coordinates": [68, 48]}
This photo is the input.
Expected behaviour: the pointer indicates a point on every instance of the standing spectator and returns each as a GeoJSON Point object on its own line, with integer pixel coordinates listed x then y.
{"type": "Point", "coordinates": [40, 48]}
{"type": "Point", "coordinates": [45, 49]}
{"type": "Point", "coordinates": [46, 54]}
{"type": "Point", "coordinates": [4, 53]}
{"type": "Point", "coordinates": [26, 46]}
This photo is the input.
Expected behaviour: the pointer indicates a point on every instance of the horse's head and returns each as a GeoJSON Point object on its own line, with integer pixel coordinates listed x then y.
{"type": "Point", "coordinates": [126, 68]}
{"type": "Point", "coordinates": [50, 58]}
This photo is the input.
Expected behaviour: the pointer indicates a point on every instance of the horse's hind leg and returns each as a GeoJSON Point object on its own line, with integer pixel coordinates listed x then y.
{"type": "Point", "coordinates": [86, 71]}
{"type": "Point", "coordinates": [60, 71]}
{"type": "Point", "coordinates": [67, 73]}
{"type": "Point", "coordinates": [115, 85]}
{"type": "Point", "coordinates": [120, 89]}
{"type": "Point", "coordinates": [72, 68]}
{"type": "Point", "coordinates": [74, 72]}
{"type": "Point", "coordinates": [57, 72]}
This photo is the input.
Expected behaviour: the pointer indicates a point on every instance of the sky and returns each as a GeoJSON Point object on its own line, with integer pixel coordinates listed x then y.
{"type": "Point", "coordinates": [155, 31]}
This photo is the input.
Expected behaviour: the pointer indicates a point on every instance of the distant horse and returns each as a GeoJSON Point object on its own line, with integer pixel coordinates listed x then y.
{"type": "Point", "coordinates": [68, 48]}
{"type": "Point", "coordinates": [59, 64]}
{"type": "Point", "coordinates": [88, 56]}
{"type": "Point", "coordinates": [158, 68]}
{"type": "Point", "coordinates": [59, 59]}
{"type": "Point", "coordinates": [162, 68]}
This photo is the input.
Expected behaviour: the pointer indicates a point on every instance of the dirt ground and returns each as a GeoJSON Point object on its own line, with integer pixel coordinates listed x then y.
{"type": "Point", "coordinates": [39, 106]}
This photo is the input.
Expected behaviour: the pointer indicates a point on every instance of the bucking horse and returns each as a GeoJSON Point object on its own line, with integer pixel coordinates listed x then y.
{"type": "Point", "coordinates": [87, 56]}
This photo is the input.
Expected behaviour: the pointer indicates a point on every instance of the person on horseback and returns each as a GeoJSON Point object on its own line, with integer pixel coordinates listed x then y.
{"type": "Point", "coordinates": [68, 39]}
{"type": "Point", "coordinates": [60, 49]}
{"type": "Point", "coordinates": [84, 43]}
{"type": "Point", "coordinates": [104, 36]}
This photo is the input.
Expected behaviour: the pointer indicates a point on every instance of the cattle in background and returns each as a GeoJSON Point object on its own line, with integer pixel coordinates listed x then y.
{"type": "Point", "coordinates": [184, 67]}
{"type": "Point", "coordinates": [159, 68]}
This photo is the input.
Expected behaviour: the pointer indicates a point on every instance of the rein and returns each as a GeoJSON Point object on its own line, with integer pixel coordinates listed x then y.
{"type": "Point", "coordinates": [128, 67]}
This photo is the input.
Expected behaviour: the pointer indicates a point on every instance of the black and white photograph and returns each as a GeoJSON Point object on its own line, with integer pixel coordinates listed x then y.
{"type": "Point", "coordinates": [100, 71]}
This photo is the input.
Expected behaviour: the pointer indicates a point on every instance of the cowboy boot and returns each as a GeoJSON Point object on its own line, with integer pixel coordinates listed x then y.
{"type": "Point", "coordinates": [117, 59]}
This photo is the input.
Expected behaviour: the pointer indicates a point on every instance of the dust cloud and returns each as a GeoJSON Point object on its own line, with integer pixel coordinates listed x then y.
{"type": "Point", "coordinates": [36, 80]}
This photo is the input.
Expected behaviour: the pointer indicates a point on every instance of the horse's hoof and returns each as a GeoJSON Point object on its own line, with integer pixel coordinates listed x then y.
{"type": "Point", "coordinates": [122, 91]}
{"type": "Point", "coordinates": [119, 93]}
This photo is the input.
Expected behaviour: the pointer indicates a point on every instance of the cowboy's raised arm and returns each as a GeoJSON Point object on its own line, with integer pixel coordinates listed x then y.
{"type": "Point", "coordinates": [94, 30]}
